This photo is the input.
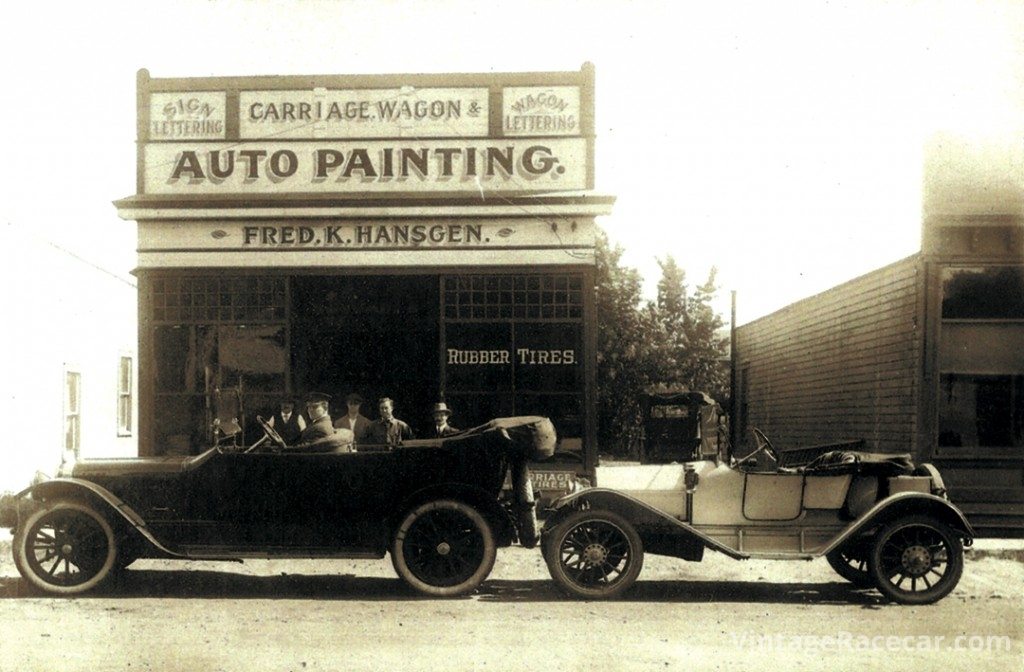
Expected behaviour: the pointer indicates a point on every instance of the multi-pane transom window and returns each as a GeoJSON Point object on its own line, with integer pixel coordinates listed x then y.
{"type": "Point", "coordinates": [216, 299]}
{"type": "Point", "coordinates": [480, 297]}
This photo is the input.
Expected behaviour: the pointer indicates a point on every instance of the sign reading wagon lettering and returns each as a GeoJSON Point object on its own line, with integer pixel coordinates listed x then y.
{"type": "Point", "coordinates": [367, 167]}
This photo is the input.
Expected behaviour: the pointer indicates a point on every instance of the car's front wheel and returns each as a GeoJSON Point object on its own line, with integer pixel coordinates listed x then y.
{"type": "Point", "coordinates": [65, 548]}
{"type": "Point", "coordinates": [444, 548]}
{"type": "Point", "coordinates": [594, 554]}
{"type": "Point", "coordinates": [916, 560]}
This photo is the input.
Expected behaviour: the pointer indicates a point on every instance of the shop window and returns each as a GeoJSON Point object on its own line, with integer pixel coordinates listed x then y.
{"type": "Point", "coordinates": [981, 410]}
{"type": "Point", "coordinates": [535, 297]}
{"type": "Point", "coordinates": [124, 397]}
{"type": "Point", "coordinates": [218, 299]}
{"type": "Point", "coordinates": [73, 411]}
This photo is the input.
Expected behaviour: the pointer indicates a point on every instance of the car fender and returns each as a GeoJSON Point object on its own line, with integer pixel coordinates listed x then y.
{"type": "Point", "coordinates": [74, 487]}
{"type": "Point", "coordinates": [661, 533]}
{"type": "Point", "coordinates": [499, 518]}
{"type": "Point", "coordinates": [901, 504]}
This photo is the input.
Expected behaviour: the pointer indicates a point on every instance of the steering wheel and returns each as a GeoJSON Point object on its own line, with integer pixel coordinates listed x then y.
{"type": "Point", "coordinates": [764, 444]}
{"type": "Point", "coordinates": [271, 433]}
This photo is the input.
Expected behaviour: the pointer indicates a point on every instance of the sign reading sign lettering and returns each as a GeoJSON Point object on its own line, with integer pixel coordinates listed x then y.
{"type": "Point", "coordinates": [364, 113]}
{"type": "Point", "coordinates": [532, 110]}
{"type": "Point", "coordinates": [372, 166]}
{"type": "Point", "coordinates": [197, 115]}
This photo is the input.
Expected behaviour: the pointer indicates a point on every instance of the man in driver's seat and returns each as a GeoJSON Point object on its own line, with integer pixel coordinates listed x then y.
{"type": "Point", "coordinates": [319, 425]}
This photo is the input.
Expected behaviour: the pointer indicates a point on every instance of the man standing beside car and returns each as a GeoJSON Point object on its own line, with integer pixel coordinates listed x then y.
{"type": "Point", "coordinates": [388, 431]}
{"type": "Point", "coordinates": [354, 420]}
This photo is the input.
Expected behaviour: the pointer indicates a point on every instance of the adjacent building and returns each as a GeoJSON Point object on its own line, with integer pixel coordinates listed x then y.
{"type": "Point", "coordinates": [70, 385]}
{"type": "Point", "coordinates": [925, 355]}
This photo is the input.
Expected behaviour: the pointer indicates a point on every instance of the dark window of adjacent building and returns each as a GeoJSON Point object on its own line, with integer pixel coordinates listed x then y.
{"type": "Point", "coordinates": [981, 359]}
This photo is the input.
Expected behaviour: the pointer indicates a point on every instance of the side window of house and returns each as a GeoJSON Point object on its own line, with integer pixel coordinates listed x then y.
{"type": "Point", "coordinates": [124, 397]}
{"type": "Point", "coordinates": [73, 411]}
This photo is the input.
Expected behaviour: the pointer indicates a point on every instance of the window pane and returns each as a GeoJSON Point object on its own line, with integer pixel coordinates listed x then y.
{"type": "Point", "coordinates": [983, 411]}
{"type": "Point", "coordinates": [994, 292]}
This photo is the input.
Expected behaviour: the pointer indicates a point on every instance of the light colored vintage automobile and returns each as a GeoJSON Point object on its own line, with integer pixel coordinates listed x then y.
{"type": "Point", "coordinates": [878, 521]}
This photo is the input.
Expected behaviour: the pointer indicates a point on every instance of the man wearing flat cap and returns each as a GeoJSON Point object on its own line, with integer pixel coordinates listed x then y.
{"type": "Point", "coordinates": [441, 413]}
{"type": "Point", "coordinates": [355, 421]}
{"type": "Point", "coordinates": [319, 418]}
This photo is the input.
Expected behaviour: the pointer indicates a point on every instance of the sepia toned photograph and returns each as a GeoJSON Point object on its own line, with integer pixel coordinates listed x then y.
{"type": "Point", "coordinates": [388, 335]}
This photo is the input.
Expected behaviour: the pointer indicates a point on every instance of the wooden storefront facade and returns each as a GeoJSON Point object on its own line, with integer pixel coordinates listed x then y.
{"type": "Point", "coordinates": [420, 237]}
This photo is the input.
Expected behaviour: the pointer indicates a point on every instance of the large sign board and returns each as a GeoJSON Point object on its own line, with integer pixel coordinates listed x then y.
{"type": "Point", "coordinates": [477, 133]}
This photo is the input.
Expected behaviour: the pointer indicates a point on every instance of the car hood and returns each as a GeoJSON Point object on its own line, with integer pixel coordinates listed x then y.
{"type": "Point", "coordinates": [135, 465]}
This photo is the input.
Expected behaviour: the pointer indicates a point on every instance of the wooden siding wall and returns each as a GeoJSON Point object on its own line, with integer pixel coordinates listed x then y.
{"type": "Point", "coordinates": [841, 365]}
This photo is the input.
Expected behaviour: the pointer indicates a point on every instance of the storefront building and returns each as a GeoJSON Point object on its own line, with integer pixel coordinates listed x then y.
{"type": "Point", "coordinates": [420, 237]}
{"type": "Point", "coordinates": [924, 356]}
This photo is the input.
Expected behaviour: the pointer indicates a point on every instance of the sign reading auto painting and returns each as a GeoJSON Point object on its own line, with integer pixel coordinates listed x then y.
{"type": "Point", "coordinates": [367, 167]}
{"type": "Point", "coordinates": [198, 115]}
{"type": "Point", "coordinates": [533, 110]}
{"type": "Point", "coordinates": [364, 113]}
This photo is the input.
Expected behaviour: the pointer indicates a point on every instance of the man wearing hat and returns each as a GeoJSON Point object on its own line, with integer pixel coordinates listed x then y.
{"type": "Point", "coordinates": [355, 421]}
{"type": "Point", "coordinates": [441, 413]}
{"type": "Point", "coordinates": [287, 422]}
{"type": "Point", "coordinates": [319, 418]}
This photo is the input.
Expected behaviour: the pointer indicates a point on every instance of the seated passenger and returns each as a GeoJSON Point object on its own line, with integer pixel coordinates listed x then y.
{"type": "Point", "coordinates": [441, 413]}
{"type": "Point", "coordinates": [287, 422]}
{"type": "Point", "coordinates": [388, 431]}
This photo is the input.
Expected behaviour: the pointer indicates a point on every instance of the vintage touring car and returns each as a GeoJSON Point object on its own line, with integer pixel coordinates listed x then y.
{"type": "Point", "coordinates": [878, 521]}
{"type": "Point", "coordinates": [434, 505]}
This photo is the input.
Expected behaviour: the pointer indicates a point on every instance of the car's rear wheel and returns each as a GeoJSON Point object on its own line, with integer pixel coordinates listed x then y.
{"type": "Point", "coordinates": [916, 560]}
{"type": "Point", "coordinates": [444, 548]}
{"type": "Point", "coordinates": [65, 548]}
{"type": "Point", "coordinates": [594, 554]}
{"type": "Point", "coordinates": [851, 563]}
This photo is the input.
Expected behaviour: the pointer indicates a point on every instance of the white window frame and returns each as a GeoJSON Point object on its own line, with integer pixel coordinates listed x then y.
{"type": "Point", "coordinates": [125, 419]}
{"type": "Point", "coordinates": [73, 411]}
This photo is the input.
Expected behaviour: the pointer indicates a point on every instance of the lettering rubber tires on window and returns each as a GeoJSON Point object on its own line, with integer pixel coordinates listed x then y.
{"type": "Point", "coordinates": [594, 554]}
{"type": "Point", "coordinates": [65, 548]}
{"type": "Point", "coordinates": [916, 560]}
{"type": "Point", "coordinates": [444, 548]}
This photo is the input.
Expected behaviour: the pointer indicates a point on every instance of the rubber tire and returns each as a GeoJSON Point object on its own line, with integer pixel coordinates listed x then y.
{"type": "Point", "coordinates": [552, 553]}
{"type": "Point", "coordinates": [36, 582]}
{"type": "Point", "coordinates": [954, 561]}
{"type": "Point", "coordinates": [862, 578]}
{"type": "Point", "coordinates": [463, 588]}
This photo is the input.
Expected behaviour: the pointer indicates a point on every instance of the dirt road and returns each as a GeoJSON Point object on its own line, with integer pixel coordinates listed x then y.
{"type": "Point", "coordinates": [355, 615]}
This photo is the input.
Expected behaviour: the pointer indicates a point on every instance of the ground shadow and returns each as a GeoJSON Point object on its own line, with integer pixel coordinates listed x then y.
{"type": "Point", "coordinates": [212, 584]}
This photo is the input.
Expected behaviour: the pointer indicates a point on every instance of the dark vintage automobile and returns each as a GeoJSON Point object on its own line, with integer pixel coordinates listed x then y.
{"type": "Point", "coordinates": [433, 504]}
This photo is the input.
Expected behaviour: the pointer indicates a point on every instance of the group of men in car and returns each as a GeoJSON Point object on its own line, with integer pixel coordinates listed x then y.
{"type": "Point", "coordinates": [381, 434]}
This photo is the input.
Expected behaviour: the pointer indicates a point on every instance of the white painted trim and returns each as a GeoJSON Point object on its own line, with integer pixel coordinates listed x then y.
{"type": "Point", "coordinates": [539, 210]}
{"type": "Point", "coordinates": [366, 258]}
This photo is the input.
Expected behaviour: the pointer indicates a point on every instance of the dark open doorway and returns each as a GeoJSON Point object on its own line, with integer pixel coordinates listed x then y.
{"type": "Point", "coordinates": [375, 335]}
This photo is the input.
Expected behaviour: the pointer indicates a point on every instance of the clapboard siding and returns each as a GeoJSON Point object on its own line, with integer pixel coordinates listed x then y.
{"type": "Point", "coordinates": [841, 365]}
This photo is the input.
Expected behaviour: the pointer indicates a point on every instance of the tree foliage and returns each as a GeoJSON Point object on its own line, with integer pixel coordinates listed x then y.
{"type": "Point", "coordinates": [671, 341]}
